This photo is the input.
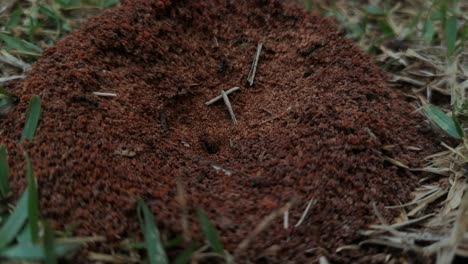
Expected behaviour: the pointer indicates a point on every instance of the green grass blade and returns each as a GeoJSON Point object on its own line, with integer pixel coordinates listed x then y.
{"type": "Point", "coordinates": [49, 245]}
{"type": "Point", "coordinates": [4, 173]}
{"type": "Point", "coordinates": [185, 256]}
{"type": "Point", "coordinates": [443, 12]}
{"type": "Point", "coordinates": [451, 35]}
{"type": "Point", "coordinates": [109, 3]}
{"type": "Point", "coordinates": [14, 19]}
{"type": "Point", "coordinates": [309, 4]}
{"type": "Point", "coordinates": [210, 232]}
{"type": "Point", "coordinates": [428, 30]}
{"type": "Point", "coordinates": [32, 119]}
{"type": "Point", "coordinates": [355, 30]}
{"type": "Point", "coordinates": [67, 3]}
{"type": "Point", "coordinates": [138, 245]}
{"type": "Point", "coordinates": [174, 243]}
{"type": "Point", "coordinates": [374, 10]}
{"type": "Point", "coordinates": [446, 123]}
{"type": "Point", "coordinates": [4, 101]}
{"type": "Point", "coordinates": [15, 221]}
{"type": "Point", "coordinates": [50, 12]}
{"type": "Point", "coordinates": [33, 201]}
{"type": "Point", "coordinates": [24, 237]}
{"type": "Point", "coordinates": [458, 126]}
{"type": "Point", "coordinates": [464, 33]}
{"type": "Point", "coordinates": [414, 22]}
{"type": "Point", "coordinates": [35, 252]}
{"type": "Point", "coordinates": [386, 28]}
{"type": "Point", "coordinates": [154, 247]}
{"type": "Point", "coordinates": [14, 43]}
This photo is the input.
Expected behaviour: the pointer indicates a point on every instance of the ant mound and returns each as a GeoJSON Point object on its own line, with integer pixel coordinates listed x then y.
{"type": "Point", "coordinates": [311, 140]}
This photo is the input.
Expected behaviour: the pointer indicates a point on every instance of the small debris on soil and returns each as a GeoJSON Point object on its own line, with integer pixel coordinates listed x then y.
{"type": "Point", "coordinates": [253, 68]}
{"type": "Point", "coordinates": [104, 94]}
{"type": "Point", "coordinates": [229, 107]}
{"type": "Point", "coordinates": [219, 97]}
{"type": "Point", "coordinates": [159, 57]}
{"type": "Point", "coordinates": [125, 153]}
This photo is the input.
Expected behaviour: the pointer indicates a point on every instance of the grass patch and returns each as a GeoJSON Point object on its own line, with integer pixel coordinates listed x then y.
{"type": "Point", "coordinates": [24, 236]}
{"type": "Point", "coordinates": [28, 27]}
{"type": "Point", "coordinates": [155, 248]}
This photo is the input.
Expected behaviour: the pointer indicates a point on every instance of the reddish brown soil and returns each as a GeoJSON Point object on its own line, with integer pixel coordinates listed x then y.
{"type": "Point", "coordinates": [164, 60]}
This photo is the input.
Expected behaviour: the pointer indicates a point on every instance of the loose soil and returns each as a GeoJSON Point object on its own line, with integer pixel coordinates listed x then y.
{"type": "Point", "coordinates": [317, 124]}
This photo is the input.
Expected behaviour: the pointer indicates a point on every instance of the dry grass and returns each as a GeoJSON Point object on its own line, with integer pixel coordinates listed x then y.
{"type": "Point", "coordinates": [419, 44]}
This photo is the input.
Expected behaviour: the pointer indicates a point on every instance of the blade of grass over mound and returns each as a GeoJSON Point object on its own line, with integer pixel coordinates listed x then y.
{"type": "Point", "coordinates": [451, 36]}
{"type": "Point", "coordinates": [108, 3]}
{"type": "Point", "coordinates": [4, 102]}
{"type": "Point", "coordinates": [210, 232]}
{"type": "Point", "coordinates": [374, 10]}
{"type": "Point", "coordinates": [24, 237]}
{"type": "Point", "coordinates": [35, 251]}
{"type": "Point", "coordinates": [4, 173]}
{"type": "Point", "coordinates": [49, 245]}
{"type": "Point", "coordinates": [13, 20]}
{"type": "Point", "coordinates": [15, 222]}
{"type": "Point", "coordinates": [33, 201]}
{"type": "Point", "coordinates": [32, 119]}
{"type": "Point", "coordinates": [154, 247]}
{"type": "Point", "coordinates": [185, 256]}
{"type": "Point", "coordinates": [443, 121]}
{"type": "Point", "coordinates": [13, 43]}
{"type": "Point", "coordinates": [428, 30]}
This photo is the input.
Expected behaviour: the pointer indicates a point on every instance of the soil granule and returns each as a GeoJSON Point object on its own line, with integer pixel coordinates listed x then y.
{"type": "Point", "coordinates": [317, 124]}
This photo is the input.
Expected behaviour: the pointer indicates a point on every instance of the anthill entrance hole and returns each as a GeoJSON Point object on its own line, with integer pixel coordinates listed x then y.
{"type": "Point", "coordinates": [209, 144]}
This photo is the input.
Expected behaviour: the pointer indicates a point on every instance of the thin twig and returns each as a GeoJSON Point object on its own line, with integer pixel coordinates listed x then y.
{"type": "Point", "coordinates": [13, 61]}
{"type": "Point", "coordinates": [379, 215]}
{"type": "Point", "coordinates": [229, 107]}
{"type": "Point", "coordinates": [323, 260]}
{"type": "Point", "coordinates": [286, 219]}
{"type": "Point", "coordinates": [88, 239]}
{"type": "Point", "coordinates": [447, 254]}
{"type": "Point", "coordinates": [306, 211]}
{"type": "Point", "coordinates": [114, 258]}
{"type": "Point", "coordinates": [11, 78]}
{"type": "Point", "coordinates": [274, 116]}
{"type": "Point", "coordinates": [105, 94]}
{"type": "Point", "coordinates": [260, 227]}
{"type": "Point", "coordinates": [182, 200]}
{"type": "Point", "coordinates": [219, 97]}
{"type": "Point", "coordinates": [253, 68]}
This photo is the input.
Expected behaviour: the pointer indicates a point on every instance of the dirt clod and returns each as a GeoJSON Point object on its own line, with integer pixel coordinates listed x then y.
{"type": "Point", "coordinates": [312, 127]}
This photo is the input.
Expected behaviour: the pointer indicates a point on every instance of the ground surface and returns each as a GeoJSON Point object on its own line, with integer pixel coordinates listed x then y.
{"type": "Point", "coordinates": [317, 124]}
